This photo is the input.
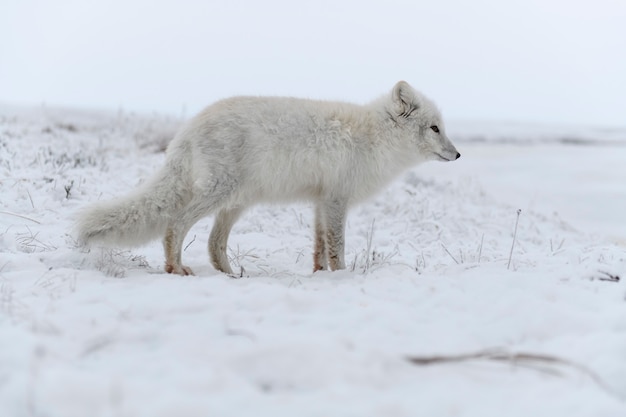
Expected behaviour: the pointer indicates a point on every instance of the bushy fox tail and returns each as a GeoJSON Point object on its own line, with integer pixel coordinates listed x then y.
{"type": "Point", "coordinates": [138, 217]}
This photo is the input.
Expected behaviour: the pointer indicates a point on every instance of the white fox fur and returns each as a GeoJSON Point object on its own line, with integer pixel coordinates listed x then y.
{"type": "Point", "coordinates": [246, 150]}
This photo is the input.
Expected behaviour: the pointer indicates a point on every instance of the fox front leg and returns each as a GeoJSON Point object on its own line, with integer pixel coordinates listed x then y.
{"type": "Point", "coordinates": [320, 255]}
{"type": "Point", "coordinates": [335, 221]}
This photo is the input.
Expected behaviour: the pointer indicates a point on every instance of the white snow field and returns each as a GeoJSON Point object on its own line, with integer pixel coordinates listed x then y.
{"type": "Point", "coordinates": [431, 277]}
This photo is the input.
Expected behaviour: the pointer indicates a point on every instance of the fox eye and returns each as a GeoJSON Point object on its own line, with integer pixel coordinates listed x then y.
{"type": "Point", "coordinates": [435, 128]}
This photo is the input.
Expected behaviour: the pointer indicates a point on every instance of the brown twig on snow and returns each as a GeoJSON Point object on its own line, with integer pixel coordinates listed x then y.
{"type": "Point", "coordinates": [608, 277]}
{"type": "Point", "coordinates": [530, 360]}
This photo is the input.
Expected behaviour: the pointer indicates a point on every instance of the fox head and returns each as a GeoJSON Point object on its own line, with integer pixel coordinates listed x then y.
{"type": "Point", "coordinates": [419, 117]}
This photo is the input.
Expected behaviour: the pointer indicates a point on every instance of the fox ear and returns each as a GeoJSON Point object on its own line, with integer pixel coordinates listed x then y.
{"type": "Point", "coordinates": [403, 97]}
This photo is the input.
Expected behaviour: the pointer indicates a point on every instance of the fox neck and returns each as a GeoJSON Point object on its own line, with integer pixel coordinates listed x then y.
{"type": "Point", "coordinates": [384, 152]}
{"type": "Point", "coordinates": [397, 148]}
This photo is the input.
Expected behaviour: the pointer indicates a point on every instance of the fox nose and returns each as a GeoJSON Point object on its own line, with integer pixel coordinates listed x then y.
{"type": "Point", "coordinates": [458, 155]}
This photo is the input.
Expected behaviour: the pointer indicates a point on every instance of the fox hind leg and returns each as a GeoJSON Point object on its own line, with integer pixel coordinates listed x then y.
{"type": "Point", "coordinates": [218, 239]}
{"type": "Point", "coordinates": [175, 235]}
{"type": "Point", "coordinates": [200, 206]}
{"type": "Point", "coordinates": [173, 262]}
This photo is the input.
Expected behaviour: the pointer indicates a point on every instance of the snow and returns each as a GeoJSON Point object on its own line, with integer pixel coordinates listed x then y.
{"type": "Point", "coordinates": [107, 333]}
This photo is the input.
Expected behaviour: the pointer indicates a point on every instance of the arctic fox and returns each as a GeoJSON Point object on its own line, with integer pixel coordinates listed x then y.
{"type": "Point", "coordinates": [246, 150]}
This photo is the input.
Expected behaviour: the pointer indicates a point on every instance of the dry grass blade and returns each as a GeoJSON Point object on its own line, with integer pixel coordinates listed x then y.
{"type": "Point", "coordinates": [530, 360]}
{"type": "Point", "coordinates": [480, 248]}
{"type": "Point", "coordinates": [369, 260]}
{"type": "Point", "coordinates": [29, 243]}
{"type": "Point", "coordinates": [519, 211]}
{"type": "Point", "coordinates": [20, 216]}
{"type": "Point", "coordinates": [448, 252]}
{"type": "Point", "coordinates": [189, 244]}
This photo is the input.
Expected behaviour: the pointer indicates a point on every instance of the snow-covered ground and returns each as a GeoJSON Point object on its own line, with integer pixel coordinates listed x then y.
{"type": "Point", "coordinates": [431, 273]}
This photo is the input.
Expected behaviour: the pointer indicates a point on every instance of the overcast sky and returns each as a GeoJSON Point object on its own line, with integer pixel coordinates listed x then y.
{"type": "Point", "coordinates": [548, 61]}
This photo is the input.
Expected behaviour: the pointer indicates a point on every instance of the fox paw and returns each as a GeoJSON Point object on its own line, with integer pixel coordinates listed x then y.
{"type": "Point", "coordinates": [178, 269]}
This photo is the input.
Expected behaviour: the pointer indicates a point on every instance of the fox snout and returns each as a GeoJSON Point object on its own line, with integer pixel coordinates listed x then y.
{"type": "Point", "coordinates": [455, 155]}
{"type": "Point", "coordinates": [448, 151]}
{"type": "Point", "coordinates": [447, 157]}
